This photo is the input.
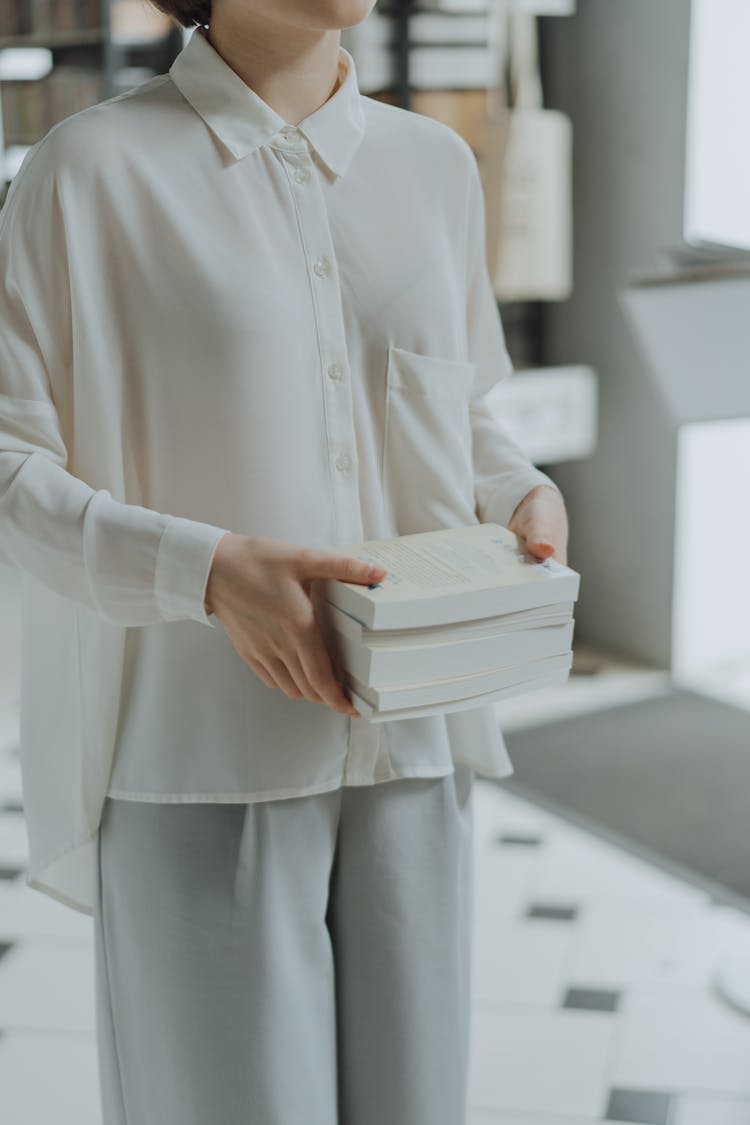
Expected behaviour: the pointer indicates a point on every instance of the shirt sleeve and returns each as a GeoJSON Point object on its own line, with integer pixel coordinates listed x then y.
{"type": "Point", "coordinates": [129, 564]}
{"type": "Point", "coordinates": [503, 474]}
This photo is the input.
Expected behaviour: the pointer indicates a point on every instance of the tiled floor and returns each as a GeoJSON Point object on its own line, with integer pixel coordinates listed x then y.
{"type": "Point", "coordinates": [593, 975]}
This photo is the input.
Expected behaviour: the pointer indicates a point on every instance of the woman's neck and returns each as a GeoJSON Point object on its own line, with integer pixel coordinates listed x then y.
{"type": "Point", "coordinates": [293, 69]}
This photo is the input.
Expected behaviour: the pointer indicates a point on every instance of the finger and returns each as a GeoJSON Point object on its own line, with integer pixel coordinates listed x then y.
{"type": "Point", "coordinates": [540, 546]}
{"type": "Point", "coordinates": [323, 564]}
{"type": "Point", "coordinates": [297, 670]}
{"type": "Point", "coordinates": [284, 678]}
{"type": "Point", "coordinates": [539, 535]}
{"type": "Point", "coordinates": [316, 662]}
{"type": "Point", "coordinates": [261, 672]}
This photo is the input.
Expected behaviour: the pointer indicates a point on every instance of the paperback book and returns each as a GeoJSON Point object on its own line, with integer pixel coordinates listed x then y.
{"type": "Point", "coordinates": [464, 616]}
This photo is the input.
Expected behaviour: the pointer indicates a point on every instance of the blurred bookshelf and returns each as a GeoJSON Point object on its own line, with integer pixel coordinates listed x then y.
{"type": "Point", "coordinates": [433, 57]}
{"type": "Point", "coordinates": [58, 57]}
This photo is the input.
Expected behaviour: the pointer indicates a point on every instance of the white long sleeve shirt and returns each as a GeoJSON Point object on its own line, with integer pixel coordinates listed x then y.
{"type": "Point", "coordinates": [211, 321]}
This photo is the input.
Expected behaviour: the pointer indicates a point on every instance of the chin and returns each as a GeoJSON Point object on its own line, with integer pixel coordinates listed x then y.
{"type": "Point", "coordinates": [331, 14]}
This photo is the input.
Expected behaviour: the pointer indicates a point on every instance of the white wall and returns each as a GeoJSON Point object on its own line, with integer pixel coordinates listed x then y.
{"type": "Point", "coordinates": [711, 602]}
{"type": "Point", "coordinates": [717, 173]}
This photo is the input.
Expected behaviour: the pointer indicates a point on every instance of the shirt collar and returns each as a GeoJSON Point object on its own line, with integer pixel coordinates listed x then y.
{"type": "Point", "coordinates": [243, 121]}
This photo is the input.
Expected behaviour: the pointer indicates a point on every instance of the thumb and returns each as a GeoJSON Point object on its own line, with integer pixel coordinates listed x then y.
{"type": "Point", "coordinates": [343, 567]}
{"type": "Point", "coordinates": [539, 544]}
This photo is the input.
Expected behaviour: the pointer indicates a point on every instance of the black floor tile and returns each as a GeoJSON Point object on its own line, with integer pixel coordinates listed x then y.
{"type": "Point", "coordinates": [591, 999]}
{"type": "Point", "coordinates": [558, 913]}
{"type": "Point", "coordinates": [639, 1107]}
{"type": "Point", "coordinates": [518, 839]}
{"type": "Point", "coordinates": [10, 872]}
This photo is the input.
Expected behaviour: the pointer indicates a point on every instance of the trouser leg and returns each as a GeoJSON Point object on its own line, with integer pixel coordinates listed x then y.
{"type": "Point", "coordinates": [113, 1110]}
{"type": "Point", "coordinates": [400, 917]}
{"type": "Point", "coordinates": [216, 980]}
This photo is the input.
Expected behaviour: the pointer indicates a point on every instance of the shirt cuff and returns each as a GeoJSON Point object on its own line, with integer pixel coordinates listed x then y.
{"type": "Point", "coordinates": [183, 564]}
{"type": "Point", "coordinates": [506, 498]}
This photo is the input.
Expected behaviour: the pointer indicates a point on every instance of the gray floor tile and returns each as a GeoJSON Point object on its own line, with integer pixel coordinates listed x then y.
{"type": "Point", "coordinates": [592, 999]}
{"type": "Point", "coordinates": [519, 839]}
{"type": "Point", "coordinates": [557, 913]}
{"type": "Point", "coordinates": [639, 1107]}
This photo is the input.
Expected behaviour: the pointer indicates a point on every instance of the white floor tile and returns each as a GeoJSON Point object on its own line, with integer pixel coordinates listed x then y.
{"type": "Point", "coordinates": [712, 1111]}
{"type": "Point", "coordinates": [48, 986]}
{"type": "Point", "coordinates": [581, 867]}
{"type": "Point", "coordinates": [544, 1063]}
{"type": "Point", "coordinates": [48, 1080]}
{"type": "Point", "coordinates": [519, 962]}
{"type": "Point", "coordinates": [622, 945]}
{"type": "Point", "coordinates": [519, 812]}
{"type": "Point", "coordinates": [683, 1040]}
{"type": "Point", "coordinates": [8, 725]}
{"type": "Point", "coordinates": [27, 913]}
{"type": "Point", "coordinates": [14, 841]}
{"type": "Point", "coordinates": [10, 778]}
{"type": "Point", "coordinates": [497, 810]}
{"type": "Point", "coordinates": [501, 882]}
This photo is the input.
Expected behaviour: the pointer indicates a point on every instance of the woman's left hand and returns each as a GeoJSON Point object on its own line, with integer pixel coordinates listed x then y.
{"type": "Point", "coordinates": [541, 523]}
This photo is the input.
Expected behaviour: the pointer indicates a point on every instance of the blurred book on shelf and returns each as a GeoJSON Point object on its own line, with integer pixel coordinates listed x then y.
{"type": "Point", "coordinates": [30, 109]}
{"type": "Point", "coordinates": [461, 110]}
{"type": "Point", "coordinates": [39, 17]}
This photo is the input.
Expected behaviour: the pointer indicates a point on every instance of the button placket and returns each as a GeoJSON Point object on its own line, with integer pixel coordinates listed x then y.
{"type": "Point", "coordinates": [337, 394]}
{"type": "Point", "coordinates": [365, 739]}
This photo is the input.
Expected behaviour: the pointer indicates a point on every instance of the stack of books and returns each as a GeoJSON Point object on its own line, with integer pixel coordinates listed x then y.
{"type": "Point", "coordinates": [463, 617]}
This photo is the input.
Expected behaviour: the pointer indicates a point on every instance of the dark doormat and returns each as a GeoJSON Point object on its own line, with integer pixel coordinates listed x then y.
{"type": "Point", "coordinates": [668, 776]}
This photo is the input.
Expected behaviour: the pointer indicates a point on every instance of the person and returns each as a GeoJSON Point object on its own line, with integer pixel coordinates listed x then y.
{"type": "Point", "coordinates": [245, 324]}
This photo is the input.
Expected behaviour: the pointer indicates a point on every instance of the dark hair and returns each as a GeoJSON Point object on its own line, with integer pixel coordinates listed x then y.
{"type": "Point", "coordinates": [189, 13]}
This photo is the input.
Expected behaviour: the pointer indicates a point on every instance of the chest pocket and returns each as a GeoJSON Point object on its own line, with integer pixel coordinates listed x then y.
{"type": "Point", "coordinates": [428, 474]}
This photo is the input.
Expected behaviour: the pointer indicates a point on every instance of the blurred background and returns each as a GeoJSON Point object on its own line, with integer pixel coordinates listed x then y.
{"type": "Point", "coordinates": [612, 937]}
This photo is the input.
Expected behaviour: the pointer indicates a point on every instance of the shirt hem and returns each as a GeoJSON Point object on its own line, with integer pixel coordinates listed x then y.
{"type": "Point", "coordinates": [281, 794]}
{"type": "Point", "coordinates": [59, 896]}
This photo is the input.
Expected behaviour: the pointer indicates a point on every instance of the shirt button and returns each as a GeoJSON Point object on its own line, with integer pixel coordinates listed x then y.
{"type": "Point", "coordinates": [288, 131]}
{"type": "Point", "coordinates": [302, 175]}
{"type": "Point", "coordinates": [322, 267]}
{"type": "Point", "coordinates": [343, 462]}
{"type": "Point", "coordinates": [335, 372]}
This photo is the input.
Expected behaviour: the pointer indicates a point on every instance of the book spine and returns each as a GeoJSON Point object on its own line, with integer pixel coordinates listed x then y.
{"type": "Point", "coordinates": [373, 715]}
{"type": "Point", "coordinates": [445, 609]}
{"type": "Point", "coordinates": [446, 690]}
{"type": "Point", "coordinates": [380, 667]}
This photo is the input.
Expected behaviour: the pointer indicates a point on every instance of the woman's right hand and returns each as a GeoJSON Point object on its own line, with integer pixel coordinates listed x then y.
{"type": "Point", "coordinates": [259, 588]}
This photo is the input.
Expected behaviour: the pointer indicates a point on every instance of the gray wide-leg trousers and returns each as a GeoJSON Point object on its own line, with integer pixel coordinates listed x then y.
{"type": "Point", "coordinates": [303, 961]}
